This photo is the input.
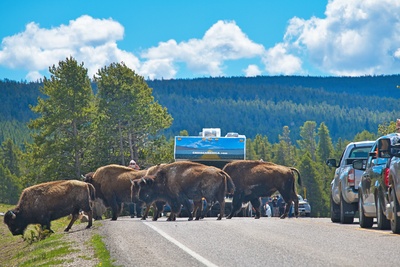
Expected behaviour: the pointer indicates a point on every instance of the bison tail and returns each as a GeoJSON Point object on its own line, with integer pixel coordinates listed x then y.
{"type": "Point", "coordinates": [92, 192]}
{"type": "Point", "coordinates": [298, 174]}
{"type": "Point", "coordinates": [229, 185]}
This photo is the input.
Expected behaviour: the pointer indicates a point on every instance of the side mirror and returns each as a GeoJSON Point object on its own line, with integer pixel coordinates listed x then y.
{"type": "Point", "coordinates": [384, 147]}
{"type": "Point", "coordinates": [359, 164]}
{"type": "Point", "coordinates": [331, 163]}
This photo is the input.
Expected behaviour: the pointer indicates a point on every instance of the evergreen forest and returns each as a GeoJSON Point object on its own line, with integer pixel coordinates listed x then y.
{"type": "Point", "coordinates": [70, 124]}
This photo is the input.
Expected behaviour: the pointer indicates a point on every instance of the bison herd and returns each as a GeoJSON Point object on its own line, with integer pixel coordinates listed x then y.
{"type": "Point", "coordinates": [178, 184]}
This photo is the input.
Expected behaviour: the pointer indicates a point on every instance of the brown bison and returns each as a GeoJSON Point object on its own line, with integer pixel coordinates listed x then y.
{"type": "Point", "coordinates": [255, 179]}
{"type": "Point", "coordinates": [179, 182]}
{"type": "Point", "coordinates": [158, 206]}
{"type": "Point", "coordinates": [113, 186]}
{"type": "Point", "coordinates": [43, 203]}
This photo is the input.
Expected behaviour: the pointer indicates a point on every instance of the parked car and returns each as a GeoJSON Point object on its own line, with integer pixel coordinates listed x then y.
{"type": "Point", "coordinates": [344, 185]}
{"type": "Point", "coordinates": [374, 184]}
{"type": "Point", "coordinates": [304, 207]}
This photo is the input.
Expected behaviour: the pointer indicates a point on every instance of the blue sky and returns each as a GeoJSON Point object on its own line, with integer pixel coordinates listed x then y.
{"type": "Point", "coordinates": [189, 39]}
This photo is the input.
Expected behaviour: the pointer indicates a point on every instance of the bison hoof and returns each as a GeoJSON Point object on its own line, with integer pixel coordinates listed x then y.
{"type": "Point", "coordinates": [143, 218]}
{"type": "Point", "coordinates": [190, 219]}
{"type": "Point", "coordinates": [219, 218]}
{"type": "Point", "coordinates": [283, 216]}
{"type": "Point", "coordinates": [66, 229]}
{"type": "Point", "coordinates": [256, 217]}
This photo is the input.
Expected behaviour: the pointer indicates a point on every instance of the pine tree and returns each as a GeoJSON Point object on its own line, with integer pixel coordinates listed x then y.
{"type": "Point", "coordinates": [61, 130]}
{"type": "Point", "coordinates": [324, 147]}
{"type": "Point", "coordinates": [128, 118]}
{"type": "Point", "coordinates": [308, 143]}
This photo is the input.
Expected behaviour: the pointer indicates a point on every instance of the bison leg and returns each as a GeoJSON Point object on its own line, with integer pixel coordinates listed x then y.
{"type": "Point", "coordinates": [188, 206]}
{"type": "Point", "coordinates": [146, 212]}
{"type": "Point", "coordinates": [255, 202]}
{"type": "Point", "coordinates": [47, 226]}
{"type": "Point", "coordinates": [198, 209]}
{"type": "Point", "coordinates": [222, 209]}
{"type": "Point", "coordinates": [236, 205]}
{"type": "Point", "coordinates": [138, 206]}
{"type": "Point", "coordinates": [73, 219]}
{"type": "Point", "coordinates": [175, 209]}
{"type": "Point", "coordinates": [115, 209]}
{"type": "Point", "coordinates": [158, 208]}
{"type": "Point", "coordinates": [207, 209]}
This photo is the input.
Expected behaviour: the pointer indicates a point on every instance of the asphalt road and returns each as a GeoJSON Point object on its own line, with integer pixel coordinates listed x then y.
{"type": "Point", "coordinates": [248, 242]}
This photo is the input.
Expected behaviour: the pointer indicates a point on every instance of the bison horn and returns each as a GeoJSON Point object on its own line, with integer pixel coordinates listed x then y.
{"type": "Point", "coordinates": [83, 177]}
{"type": "Point", "coordinates": [13, 216]}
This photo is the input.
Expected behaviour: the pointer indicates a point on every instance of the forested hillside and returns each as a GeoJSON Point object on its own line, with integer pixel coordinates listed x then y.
{"type": "Point", "coordinates": [264, 105]}
{"type": "Point", "coordinates": [250, 106]}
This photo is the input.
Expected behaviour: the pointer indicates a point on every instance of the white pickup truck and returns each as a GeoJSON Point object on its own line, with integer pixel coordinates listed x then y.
{"type": "Point", "coordinates": [344, 186]}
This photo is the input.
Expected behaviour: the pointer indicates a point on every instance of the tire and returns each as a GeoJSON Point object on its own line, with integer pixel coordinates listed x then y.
{"type": "Point", "coordinates": [395, 221]}
{"type": "Point", "coordinates": [365, 222]}
{"type": "Point", "coordinates": [344, 206]}
{"type": "Point", "coordinates": [382, 221]}
{"type": "Point", "coordinates": [335, 211]}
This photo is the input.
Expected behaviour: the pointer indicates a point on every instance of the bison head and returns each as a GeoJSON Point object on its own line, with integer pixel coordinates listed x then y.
{"type": "Point", "coordinates": [135, 187]}
{"type": "Point", "coordinates": [88, 178]}
{"type": "Point", "coordinates": [15, 224]}
{"type": "Point", "coordinates": [147, 192]}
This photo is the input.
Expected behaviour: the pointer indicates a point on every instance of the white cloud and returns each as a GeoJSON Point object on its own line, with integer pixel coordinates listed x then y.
{"type": "Point", "coordinates": [278, 61]}
{"type": "Point", "coordinates": [356, 37]}
{"type": "Point", "coordinates": [88, 40]}
{"type": "Point", "coordinates": [223, 41]}
{"type": "Point", "coordinates": [252, 71]}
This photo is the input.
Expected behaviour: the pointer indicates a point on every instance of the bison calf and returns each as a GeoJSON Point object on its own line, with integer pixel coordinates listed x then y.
{"type": "Point", "coordinates": [43, 203]}
{"type": "Point", "coordinates": [255, 179]}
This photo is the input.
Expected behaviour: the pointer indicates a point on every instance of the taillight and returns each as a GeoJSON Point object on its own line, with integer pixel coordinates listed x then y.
{"type": "Point", "coordinates": [386, 176]}
{"type": "Point", "coordinates": [351, 177]}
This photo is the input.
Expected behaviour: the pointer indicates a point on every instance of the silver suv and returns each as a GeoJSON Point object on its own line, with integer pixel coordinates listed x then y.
{"type": "Point", "coordinates": [344, 186]}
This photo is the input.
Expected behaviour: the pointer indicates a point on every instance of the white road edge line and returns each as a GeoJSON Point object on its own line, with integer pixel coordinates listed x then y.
{"type": "Point", "coordinates": [183, 247]}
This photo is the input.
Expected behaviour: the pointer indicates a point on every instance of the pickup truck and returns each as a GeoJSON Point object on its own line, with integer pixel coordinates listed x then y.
{"type": "Point", "coordinates": [344, 186]}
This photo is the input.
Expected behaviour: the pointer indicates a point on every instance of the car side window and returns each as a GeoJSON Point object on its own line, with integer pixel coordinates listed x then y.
{"type": "Point", "coordinates": [371, 160]}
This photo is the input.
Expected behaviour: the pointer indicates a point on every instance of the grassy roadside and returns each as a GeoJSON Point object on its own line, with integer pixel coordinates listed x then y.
{"type": "Point", "coordinates": [84, 248]}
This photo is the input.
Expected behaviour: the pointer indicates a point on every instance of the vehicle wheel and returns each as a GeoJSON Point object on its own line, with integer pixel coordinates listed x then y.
{"type": "Point", "coordinates": [395, 221]}
{"type": "Point", "coordinates": [345, 207]}
{"type": "Point", "coordinates": [382, 221]}
{"type": "Point", "coordinates": [365, 222]}
{"type": "Point", "coordinates": [335, 211]}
